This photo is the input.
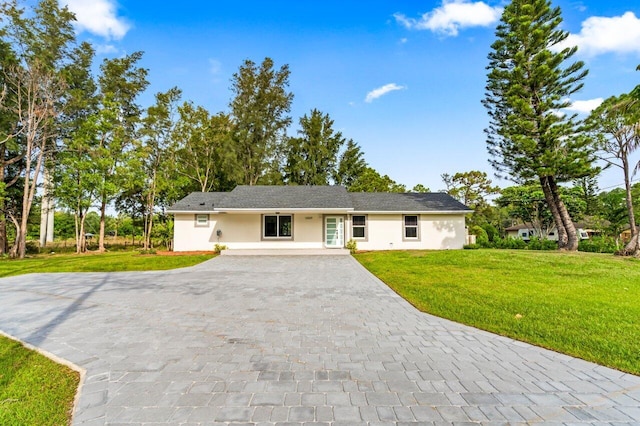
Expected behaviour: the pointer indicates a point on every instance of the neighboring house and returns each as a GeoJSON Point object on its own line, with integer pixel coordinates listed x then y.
{"type": "Point", "coordinates": [526, 231]}
{"type": "Point", "coordinates": [313, 217]}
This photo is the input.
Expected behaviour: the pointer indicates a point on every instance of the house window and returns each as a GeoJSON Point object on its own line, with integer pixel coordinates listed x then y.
{"type": "Point", "coordinates": [411, 227]}
{"type": "Point", "coordinates": [202, 220]}
{"type": "Point", "coordinates": [359, 227]}
{"type": "Point", "coordinates": [277, 226]}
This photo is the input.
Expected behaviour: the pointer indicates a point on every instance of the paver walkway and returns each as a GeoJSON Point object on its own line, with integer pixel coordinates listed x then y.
{"type": "Point", "coordinates": [292, 341]}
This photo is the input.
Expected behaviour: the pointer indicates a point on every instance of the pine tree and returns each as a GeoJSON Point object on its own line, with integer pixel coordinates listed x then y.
{"type": "Point", "coordinates": [528, 84]}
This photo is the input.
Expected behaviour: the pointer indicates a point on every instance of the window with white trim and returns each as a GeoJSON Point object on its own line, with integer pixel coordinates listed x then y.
{"type": "Point", "coordinates": [411, 227]}
{"type": "Point", "coordinates": [359, 227]}
{"type": "Point", "coordinates": [277, 226]}
{"type": "Point", "coordinates": [202, 220]}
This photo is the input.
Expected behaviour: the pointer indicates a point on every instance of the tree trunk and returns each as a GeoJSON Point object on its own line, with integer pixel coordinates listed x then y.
{"type": "Point", "coordinates": [548, 196]}
{"type": "Point", "coordinates": [3, 216]}
{"type": "Point", "coordinates": [569, 227]}
{"type": "Point", "coordinates": [15, 248]}
{"type": "Point", "coordinates": [47, 208]}
{"type": "Point", "coordinates": [633, 246]}
{"type": "Point", "coordinates": [148, 243]}
{"type": "Point", "coordinates": [103, 215]}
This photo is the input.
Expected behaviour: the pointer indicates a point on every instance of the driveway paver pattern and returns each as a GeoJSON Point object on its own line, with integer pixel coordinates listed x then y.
{"type": "Point", "coordinates": [307, 340]}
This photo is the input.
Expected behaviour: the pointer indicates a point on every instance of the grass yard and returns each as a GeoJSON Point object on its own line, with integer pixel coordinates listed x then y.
{"type": "Point", "coordinates": [582, 304]}
{"type": "Point", "coordinates": [33, 389]}
{"type": "Point", "coordinates": [106, 262]}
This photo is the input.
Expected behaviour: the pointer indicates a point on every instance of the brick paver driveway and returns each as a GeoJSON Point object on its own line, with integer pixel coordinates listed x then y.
{"type": "Point", "coordinates": [292, 340]}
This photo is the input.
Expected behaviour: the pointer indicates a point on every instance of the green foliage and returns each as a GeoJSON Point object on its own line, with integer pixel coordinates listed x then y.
{"type": "Point", "coordinates": [420, 188]}
{"type": "Point", "coordinates": [352, 246]}
{"type": "Point", "coordinates": [614, 126]}
{"type": "Point", "coordinates": [470, 188]}
{"type": "Point", "coordinates": [492, 232]}
{"type": "Point", "coordinates": [351, 165]}
{"type": "Point", "coordinates": [202, 151]}
{"type": "Point", "coordinates": [599, 245]}
{"type": "Point", "coordinates": [537, 243]}
{"type": "Point", "coordinates": [580, 304]}
{"type": "Point", "coordinates": [509, 243]}
{"type": "Point", "coordinates": [471, 246]}
{"type": "Point", "coordinates": [481, 235]}
{"type": "Point", "coordinates": [371, 181]}
{"type": "Point", "coordinates": [311, 158]}
{"type": "Point", "coordinates": [34, 390]}
{"type": "Point", "coordinates": [219, 247]}
{"type": "Point", "coordinates": [259, 111]}
{"type": "Point", "coordinates": [527, 83]}
{"type": "Point", "coordinates": [527, 204]}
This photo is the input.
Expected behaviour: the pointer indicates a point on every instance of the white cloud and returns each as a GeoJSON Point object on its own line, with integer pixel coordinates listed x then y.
{"type": "Point", "coordinates": [381, 91]}
{"type": "Point", "coordinates": [105, 49]}
{"type": "Point", "coordinates": [98, 17]}
{"type": "Point", "coordinates": [585, 107]}
{"type": "Point", "coordinates": [619, 34]}
{"type": "Point", "coordinates": [215, 66]}
{"type": "Point", "coordinates": [453, 15]}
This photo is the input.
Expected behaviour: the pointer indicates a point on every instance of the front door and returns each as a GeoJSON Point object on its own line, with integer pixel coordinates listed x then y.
{"type": "Point", "coordinates": [334, 231]}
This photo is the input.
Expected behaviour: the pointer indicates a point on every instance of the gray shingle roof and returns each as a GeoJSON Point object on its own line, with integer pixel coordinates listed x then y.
{"type": "Point", "coordinates": [293, 197]}
{"type": "Point", "coordinates": [199, 202]}
{"type": "Point", "coordinates": [316, 197]}
{"type": "Point", "coordinates": [409, 202]}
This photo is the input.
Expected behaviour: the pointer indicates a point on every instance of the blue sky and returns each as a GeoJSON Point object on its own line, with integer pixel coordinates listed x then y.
{"type": "Point", "coordinates": [404, 79]}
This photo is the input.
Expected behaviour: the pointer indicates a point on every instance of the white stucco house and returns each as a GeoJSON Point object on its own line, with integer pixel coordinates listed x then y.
{"type": "Point", "coordinates": [317, 217]}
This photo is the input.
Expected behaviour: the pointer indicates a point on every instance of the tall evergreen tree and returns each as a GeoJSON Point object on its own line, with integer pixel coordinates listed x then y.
{"type": "Point", "coordinates": [259, 110]}
{"type": "Point", "coordinates": [153, 151]}
{"type": "Point", "coordinates": [120, 83]}
{"type": "Point", "coordinates": [351, 165]}
{"type": "Point", "coordinates": [528, 83]}
{"type": "Point", "coordinates": [201, 150]}
{"type": "Point", "coordinates": [312, 156]}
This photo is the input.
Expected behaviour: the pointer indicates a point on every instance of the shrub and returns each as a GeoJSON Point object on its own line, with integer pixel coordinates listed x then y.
{"type": "Point", "coordinates": [471, 246]}
{"type": "Point", "coordinates": [510, 243]}
{"type": "Point", "coordinates": [32, 247]}
{"type": "Point", "coordinates": [481, 235]}
{"type": "Point", "coordinates": [492, 231]}
{"type": "Point", "coordinates": [598, 245]}
{"type": "Point", "coordinates": [219, 247]}
{"type": "Point", "coordinates": [352, 245]}
{"type": "Point", "coordinates": [147, 251]}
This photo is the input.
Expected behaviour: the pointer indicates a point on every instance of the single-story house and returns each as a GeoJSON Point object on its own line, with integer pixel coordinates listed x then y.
{"type": "Point", "coordinates": [526, 231]}
{"type": "Point", "coordinates": [316, 217]}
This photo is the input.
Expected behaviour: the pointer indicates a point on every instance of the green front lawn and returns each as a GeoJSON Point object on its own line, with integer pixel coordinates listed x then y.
{"type": "Point", "coordinates": [33, 389]}
{"type": "Point", "coordinates": [582, 304]}
{"type": "Point", "coordinates": [106, 262]}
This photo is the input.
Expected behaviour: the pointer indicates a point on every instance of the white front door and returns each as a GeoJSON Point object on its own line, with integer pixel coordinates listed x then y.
{"type": "Point", "coordinates": [334, 232]}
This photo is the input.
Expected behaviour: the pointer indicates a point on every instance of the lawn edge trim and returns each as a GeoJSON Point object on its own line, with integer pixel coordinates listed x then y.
{"type": "Point", "coordinates": [62, 361]}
